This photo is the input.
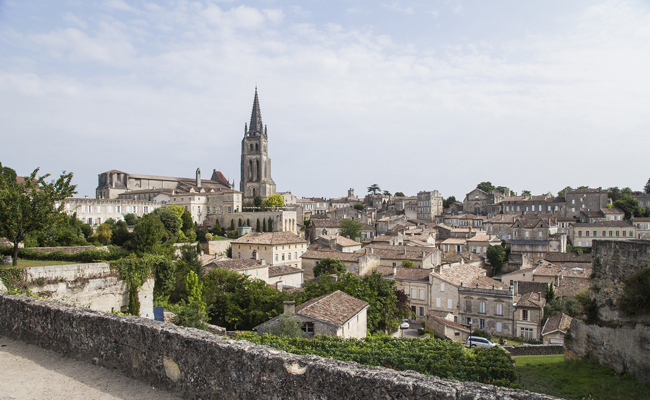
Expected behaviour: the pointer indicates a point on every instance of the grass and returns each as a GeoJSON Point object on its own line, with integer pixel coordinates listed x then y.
{"type": "Point", "coordinates": [37, 263]}
{"type": "Point", "coordinates": [577, 379]}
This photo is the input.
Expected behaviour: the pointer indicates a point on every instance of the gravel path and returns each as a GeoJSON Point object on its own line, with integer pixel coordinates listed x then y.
{"type": "Point", "coordinates": [28, 372]}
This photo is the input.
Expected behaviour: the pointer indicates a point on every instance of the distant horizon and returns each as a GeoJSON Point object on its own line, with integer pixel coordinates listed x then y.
{"type": "Point", "coordinates": [410, 95]}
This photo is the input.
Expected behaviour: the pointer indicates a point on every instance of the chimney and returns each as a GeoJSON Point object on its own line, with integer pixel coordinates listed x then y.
{"type": "Point", "coordinates": [358, 239]}
{"type": "Point", "coordinates": [289, 307]}
{"type": "Point", "coordinates": [256, 255]}
{"type": "Point", "coordinates": [279, 285]}
{"type": "Point", "coordinates": [540, 295]}
{"type": "Point", "coordinates": [394, 271]}
{"type": "Point", "coordinates": [198, 177]}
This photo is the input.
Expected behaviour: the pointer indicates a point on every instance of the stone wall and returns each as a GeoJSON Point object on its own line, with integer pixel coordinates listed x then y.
{"type": "Point", "coordinates": [536, 350]}
{"type": "Point", "coordinates": [92, 285]}
{"type": "Point", "coordinates": [197, 364]}
{"type": "Point", "coordinates": [69, 250]}
{"type": "Point", "coordinates": [613, 262]}
{"type": "Point", "coordinates": [624, 348]}
{"type": "Point", "coordinates": [216, 247]}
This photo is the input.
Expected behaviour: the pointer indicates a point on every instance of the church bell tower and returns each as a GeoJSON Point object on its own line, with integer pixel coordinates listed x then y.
{"type": "Point", "coordinates": [255, 162]}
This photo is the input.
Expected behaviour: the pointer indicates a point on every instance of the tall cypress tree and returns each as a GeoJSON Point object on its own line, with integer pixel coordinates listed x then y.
{"type": "Point", "coordinates": [257, 227]}
{"type": "Point", "coordinates": [270, 224]}
{"type": "Point", "coordinates": [264, 226]}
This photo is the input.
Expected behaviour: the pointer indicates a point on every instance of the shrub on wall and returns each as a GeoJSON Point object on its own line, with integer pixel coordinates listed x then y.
{"type": "Point", "coordinates": [635, 299]}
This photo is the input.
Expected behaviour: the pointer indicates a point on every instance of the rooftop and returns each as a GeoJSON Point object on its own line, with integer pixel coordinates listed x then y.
{"type": "Point", "coordinates": [269, 238]}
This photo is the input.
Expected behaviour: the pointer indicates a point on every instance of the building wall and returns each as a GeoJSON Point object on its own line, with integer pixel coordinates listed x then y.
{"type": "Point", "coordinates": [283, 220]}
{"type": "Point", "coordinates": [98, 211]}
{"type": "Point", "coordinates": [287, 254]}
{"type": "Point", "coordinates": [491, 298]}
{"type": "Point", "coordinates": [294, 279]}
{"type": "Point", "coordinates": [443, 293]}
{"type": "Point", "coordinates": [578, 234]}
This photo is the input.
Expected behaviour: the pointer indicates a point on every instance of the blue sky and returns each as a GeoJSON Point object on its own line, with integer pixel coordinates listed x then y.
{"type": "Point", "coordinates": [411, 95]}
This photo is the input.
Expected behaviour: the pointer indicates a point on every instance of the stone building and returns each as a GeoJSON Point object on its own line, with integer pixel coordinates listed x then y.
{"type": "Point", "coordinates": [429, 205]}
{"type": "Point", "coordinates": [255, 162]}
{"type": "Point", "coordinates": [97, 211]}
{"type": "Point", "coordinates": [334, 314]}
{"type": "Point", "coordinates": [642, 227]}
{"type": "Point", "coordinates": [555, 328]}
{"type": "Point", "coordinates": [529, 314]}
{"type": "Point", "coordinates": [480, 202]}
{"type": "Point", "coordinates": [583, 234]}
{"type": "Point", "coordinates": [277, 248]}
{"type": "Point", "coordinates": [535, 237]}
{"type": "Point", "coordinates": [415, 283]}
{"type": "Point", "coordinates": [584, 200]}
{"type": "Point", "coordinates": [360, 262]}
{"type": "Point", "coordinates": [490, 307]}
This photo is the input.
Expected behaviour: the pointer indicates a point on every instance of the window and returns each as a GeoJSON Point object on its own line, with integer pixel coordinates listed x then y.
{"type": "Point", "coordinates": [579, 233]}
{"type": "Point", "coordinates": [468, 321]}
{"type": "Point", "coordinates": [499, 309]}
{"type": "Point", "coordinates": [481, 324]}
{"type": "Point", "coordinates": [118, 209]}
{"type": "Point", "coordinates": [438, 302]}
{"type": "Point", "coordinates": [481, 307]}
{"type": "Point", "coordinates": [238, 255]}
{"type": "Point", "coordinates": [308, 327]}
{"type": "Point", "coordinates": [442, 286]}
{"type": "Point", "coordinates": [414, 294]}
{"type": "Point", "coordinates": [595, 233]}
{"type": "Point", "coordinates": [468, 305]}
{"type": "Point", "coordinates": [527, 333]}
{"type": "Point", "coordinates": [624, 232]}
{"type": "Point", "coordinates": [499, 327]}
{"type": "Point", "coordinates": [524, 315]}
{"type": "Point", "coordinates": [394, 264]}
{"type": "Point", "coordinates": [289, 256]}
{"type": "Point", "coordinates": [610, 233]}
{"type": "Point", "coordinates": [276, 259]}
{"type": "Point", "coordinates": [90, 209]}
{"type": "Point", "coordinates": [617, 233]}
{"type": "Point", "coordinates": [449, 304]}
{"type": "Point", "coordinates": [421, 311]}
{"type": "Point", "coordinates": [352, 267]}
{"type": "Point", "coordinates": [421, 294]}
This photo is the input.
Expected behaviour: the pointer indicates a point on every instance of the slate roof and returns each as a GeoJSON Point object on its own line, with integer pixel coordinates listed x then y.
{"type": "Point", "coordinates": [559, 322]}
{"type": "Point", "coordinates": [409, 274]}
{"type": "Point", "coordinates": [269, 238]}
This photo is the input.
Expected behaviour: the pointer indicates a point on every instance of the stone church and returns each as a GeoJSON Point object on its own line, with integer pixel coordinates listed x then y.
{"type": "Point", "coordinates": [255, 162]}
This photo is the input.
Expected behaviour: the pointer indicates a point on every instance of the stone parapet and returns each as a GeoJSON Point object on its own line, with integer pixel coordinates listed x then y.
{"type": "Point", "coordinates": [195, 363]}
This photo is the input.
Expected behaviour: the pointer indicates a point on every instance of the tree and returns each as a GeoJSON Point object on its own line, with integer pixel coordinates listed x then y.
{"type": "Point", "coordinates": [408, 264]}
{"type": "Point", "coordinates": [257, 226]}
{"type": "Point", "coordinates": [646, 188]}
{"type": "Point", "coordinates": [104, 233]}
{"type": "Point", "coordinates": [374, 188]}
{"type": "Point", "coordinates": [216, 229]}
{"type": "Point", "coordinates": [191, 313]}
{"type": "Point", "coordinates": [232, 224]}
{"type": "Point", "coordinates": [558, 305]}
{"type": "Point", "coordinates": [448, 202]}
{"type": "Point", "coordinates": [350, 228]}
{"type": "Point", "coordinates": [170, 219]}
{"type": "Point", "coordinates": [120, 233]}
{"type": "Point", "coordinates": [147, 234]}
{"type": "Point", "coordinates": [31, 204]}
{"type": "Point", "coordinates": [496, 255]}
{"type": "Point", "coordinates": [399, 194]}
{"type": "Point", "coordinates": [629, 205]}
{"type": "Point", "coordinates": [274, 200]}
{"type": "Point", "coordinates": [270, 224]}
{"type": "Point", "coordinates": [131, 219]}
{"type": "Point", "coordinates": [264, 225]}
{"type": "Point", "coordinates": [287, 326]}
{"type": "Point", "coordinates": [525, 193]}
{"type": "Point", "coordinates": [486, 186]}
{"type": "Point", "coordinates": [387, 193]}
{"type": "Point", "coordinates": [359, 207]}
{"type": "Point", "coordinates": [329, 266]}
{"type": "Point", "coordinates": [257, 201]}
{"type": "Point", "coordinates": [188, 226]}
{"type": "Point", "coordinates": [561, 192]}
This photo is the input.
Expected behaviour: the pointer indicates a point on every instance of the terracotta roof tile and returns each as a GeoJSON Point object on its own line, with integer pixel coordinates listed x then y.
{"type": "Point", "coordinates": [560, 322]}
{"type": "Point", "coordinates": [269, 238]}
{"type": "Point", "coordinates": [334, 308]}
{"type": "Point", "coordinates": [409, 274]}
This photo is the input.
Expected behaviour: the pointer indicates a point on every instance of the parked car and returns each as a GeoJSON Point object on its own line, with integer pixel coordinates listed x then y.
{"type": "Point", "coordinates": [405, 324]}
{"type": "Point", "coordinates": [477, 341]}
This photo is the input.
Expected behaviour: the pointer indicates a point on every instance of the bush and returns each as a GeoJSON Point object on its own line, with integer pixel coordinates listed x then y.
{"type": "Point", "coordinates": [86, 256]}
{"type": "Point", "coordinates": [635, 299]}
{"type": "Point", "coordinates": [485, 332]}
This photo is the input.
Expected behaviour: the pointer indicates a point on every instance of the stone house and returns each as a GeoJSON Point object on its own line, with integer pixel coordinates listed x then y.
{"type": "Point", "coordinates": [415, 283]}
{"type": "Point", "coordinates": [453, 246]}
{"type": "Point", "coordinates": [407, 206]}
{"type": "Point", "coordinates": [277, 248]}
{"type": "Point", "coordinates": [445, 281]}
{"type": "Point", "coordinates": [555, 328]}
{"type": "Point", "coordinates": [582, 234]}
{"type": "Point", "coordinates": [365, 217]}
{"type": "Point", "coordinates": [643, 199]}
{"type": "Point", "coordinates": [334, 314]}
{"type": "Point", "coordinates": [281, 220]}
{"type": "Point", "coordinates": [501, 226]}
{"type": "Point", "coordinates": [444, 327]}
{"type": "Point", "coordinates": [487, 307]}
{"type": "Point", "coordinates": [285, 275]}
{"type": "Point", "coordinates": [361, 262]}
{"type": "Point", "coordinates": [480, 243]}
{"type": "Point", "coordinates": [387, 223]}
{"type": "Point", "coordinates": [429, 205]}
{"type": "Point", "coordinates": [323, 226]}
{"type": "Point", "coordinates": [578, 200]}
{"type": "Point", "coordinates": [97, 211]}
{"type": "Point", "coordinates": [255, 269]}
{"type": "Point", "coordinates": [338, 243]}
{"type": "Point", "coordinates": [394, 256]}
{"type": "Point", "coordinates": [606, 214]}
{"type": "Point", "coordinates": [480, 202]}
{"type": "Point", "coordinates": [642, 227]}
{"type": "Point", "coordinates": [534, 237]}
{"type": "Point", "coordinates": [529, 314]}
{"type": "Point", "coordinates": [542, 204]}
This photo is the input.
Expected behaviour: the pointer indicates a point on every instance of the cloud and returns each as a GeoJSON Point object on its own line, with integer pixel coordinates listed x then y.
{"type": "Point", "coordinates": [395, 6]}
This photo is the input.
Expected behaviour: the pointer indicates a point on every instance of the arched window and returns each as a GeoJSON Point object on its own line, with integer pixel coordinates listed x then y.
{"type": "Point", "coordinates": [251, 146]}
{"type": "Point", "coordinates": [257, 147]}
{"type": "Point", "coordinates": [257, 170]}
{"type": "Point", "coordinates": [250, 170]}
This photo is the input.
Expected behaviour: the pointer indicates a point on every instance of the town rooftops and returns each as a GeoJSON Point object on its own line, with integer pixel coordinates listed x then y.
{"type": "Point", "coordinates": [531, 300]}
{"type": "Point", "coordinates": [560, 322]}
{"type": "Point", "coordinates": [340, 240]}
{"type": "Point", "coordinates": [327, 253]}
{"type": "Point", "coordinates": [269, 238]}
{"type": "Point", "coordinates": [604, 224]}
{"type": "Point", "coordinates": [277, 270]}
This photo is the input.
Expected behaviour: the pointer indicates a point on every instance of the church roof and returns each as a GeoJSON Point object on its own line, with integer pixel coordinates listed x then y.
{"type": "Point", "coordinates": [256, 128]}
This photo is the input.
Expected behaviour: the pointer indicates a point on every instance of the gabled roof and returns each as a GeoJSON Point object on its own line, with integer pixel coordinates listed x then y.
{"type": "Point", "coordinates": [560, 322]}
{"type": "Point", "coordinates": [449, 323]}
{"type": "Point", "coordinates": [408, 274]}
{"type": "Point", "coordinates": [335, 308]}
{"type": "Point", "coordinates": [235, 264]}
{"type": "Point", "coordinates": [531, 300]}
{"type": "Point", "coordinates": [278, 270]}
{"type": "Point", "coordinates": [269, 238]}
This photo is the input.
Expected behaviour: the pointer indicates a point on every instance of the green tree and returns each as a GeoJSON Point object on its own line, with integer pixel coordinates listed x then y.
{"type": "Point", "coordinates": [525, 193]}
{"type": "Point", "coordinates": [330, 266]}
{"type": "Point", "coordinates": [232, 224]}
{"type": "Point", "coordinates": [270, 224]}
{"type": "Point", "coordinates": [216, 229]}
{"type": "Point", "coordinates": [449, 201]}
{"type": "Point", "coordinates": [31, 204]}
{"type": "Point", "coordinates": [131, 219]}
{"type": "Point", "coordinates": [191, 313]}
{"type": "Point", "coordinates": [374, 188]}
{"type": "Point", "coordinates": [188, 226]}
{"type": "Point", "coordinates": [399, 194]}
{"type": "Point", "coordinates": [387, 193]}
{"type": "Point", "coordinates": [635, 299]}
{"type": "Point", "coordinates": [408, 264]}
{"type": "Point", "coordinates": [359, 207]}
{"type": "Point", "coordinates": [170, 219]}
{"type": "Point", "coordinates": [496, 255]}
{"type": "Point", "coordinates": [629, 205]}
{"type": "Point", "coordinates": [559, 305]}
{"type": "Point", "coordinates": [257, 226]}
{"type": "Point", "coordinates": [147, 235]}
{"type": "Point", "coordinates": [257, 201]}
{"type": "Point", "coordinates": [287, 326]}
{"type": "Point", "coordinates": [264, 225]}
{"type": "Point", "coordinates": [486, 186]}
{"type": "Point", "coordinates": [646, 188]}
{"type": "Point", "coordinates": [120, 233]}
{"type": "Point", "coordinates": [561, 192]}
{"type": "Point", "coordinates": [104, 233]}
{"type": "Point", "coordinates": [350, 228]}
{"type": "Point", "coordinates": [274, 200]}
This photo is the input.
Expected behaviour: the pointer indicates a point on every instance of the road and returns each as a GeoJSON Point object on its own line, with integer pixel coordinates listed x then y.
{"type": "Point", "coordinates": [30, 372]}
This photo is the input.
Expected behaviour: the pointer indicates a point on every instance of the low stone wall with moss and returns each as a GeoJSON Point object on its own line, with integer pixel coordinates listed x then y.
{"type": "Point", "coordinates": [198, 364]}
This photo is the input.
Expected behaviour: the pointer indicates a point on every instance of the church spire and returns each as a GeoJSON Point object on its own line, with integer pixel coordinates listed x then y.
{"type": "Point", "coordinates": [256, 128]}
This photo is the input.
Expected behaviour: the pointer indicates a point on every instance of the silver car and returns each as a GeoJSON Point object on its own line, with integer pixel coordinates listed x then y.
{"type": "Point", "coordinates": [477, 341]}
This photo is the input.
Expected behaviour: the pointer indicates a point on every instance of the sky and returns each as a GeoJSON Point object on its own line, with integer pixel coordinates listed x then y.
{"type": "Point", "coordinates": [410, 95]}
